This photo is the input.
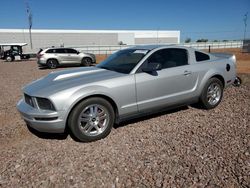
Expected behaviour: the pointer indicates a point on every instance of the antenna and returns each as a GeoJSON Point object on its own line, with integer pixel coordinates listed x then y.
{"type": "Point", "coordinates": [29, 13]}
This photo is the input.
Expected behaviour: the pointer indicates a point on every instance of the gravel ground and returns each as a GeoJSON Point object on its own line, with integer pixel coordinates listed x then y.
{"type": "Point", "coordinates": [186, 147]}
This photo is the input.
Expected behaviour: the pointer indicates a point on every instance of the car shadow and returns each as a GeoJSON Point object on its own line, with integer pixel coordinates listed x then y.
{"type": "Point", "coordinates": [197, 106]}
{"type": "Point", "coordinates": [63, 136]}
{"type": "Point", "coordinates": [150, 116]}
{"type": "Point", "coordinates": [50, 136]}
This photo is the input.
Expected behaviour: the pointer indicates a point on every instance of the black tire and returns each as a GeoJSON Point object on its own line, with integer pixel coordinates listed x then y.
{"type": "Point", "coordinates": [211, 102]}
{"type": "Point", "coordinates": [52, 63]}
{"type": "Point", "coordinates": [9, 59]}
{"type": "Point", "coordinates": [237, 82]}
{"type": "Point", "coordinates": [83, 125]}
{"type": "Point", "coordinates": [86, 61]}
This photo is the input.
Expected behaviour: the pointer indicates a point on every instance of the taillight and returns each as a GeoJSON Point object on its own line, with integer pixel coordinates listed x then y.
{"type": "Point", "coordinates": [39, 55]}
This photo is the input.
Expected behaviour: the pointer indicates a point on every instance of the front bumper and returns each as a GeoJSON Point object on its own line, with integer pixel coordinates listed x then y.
{"type": "Point", "coordinates": [42, 120]}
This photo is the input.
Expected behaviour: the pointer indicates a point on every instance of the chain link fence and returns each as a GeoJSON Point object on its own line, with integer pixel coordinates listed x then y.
{"type": "Point", "coordinates": [106, 50]}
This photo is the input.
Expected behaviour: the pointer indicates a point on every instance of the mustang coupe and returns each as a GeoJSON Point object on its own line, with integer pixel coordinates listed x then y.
{"type": "Point", "coordinates": [130, 83]}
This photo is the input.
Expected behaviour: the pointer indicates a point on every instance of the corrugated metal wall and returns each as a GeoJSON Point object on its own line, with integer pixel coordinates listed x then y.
{"type": "Point", "coordinates": [162, 40]}
{"type": "Point", "coordinates": [48, 38]}
{"type": "Point", "coordinates": [41, 40]}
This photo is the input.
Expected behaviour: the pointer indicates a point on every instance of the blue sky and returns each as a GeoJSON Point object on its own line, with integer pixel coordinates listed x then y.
{"type": "Point", "coordinates": [212, 19]}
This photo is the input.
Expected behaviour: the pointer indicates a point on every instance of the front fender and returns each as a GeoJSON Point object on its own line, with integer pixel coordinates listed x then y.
{"type": "Point", "coordinates": [83, 93]}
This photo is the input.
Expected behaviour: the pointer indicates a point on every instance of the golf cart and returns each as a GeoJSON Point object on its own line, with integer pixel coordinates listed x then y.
{"type": "Point", "coordinates": [12, 51]}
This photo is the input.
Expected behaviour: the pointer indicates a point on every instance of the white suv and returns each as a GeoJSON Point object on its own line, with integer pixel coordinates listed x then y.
{"type": "Point", "coordinates": [53, 57]}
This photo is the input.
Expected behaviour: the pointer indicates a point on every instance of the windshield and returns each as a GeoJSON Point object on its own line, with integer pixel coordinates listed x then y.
{"type": "Point", "coordinates": [123, 61]}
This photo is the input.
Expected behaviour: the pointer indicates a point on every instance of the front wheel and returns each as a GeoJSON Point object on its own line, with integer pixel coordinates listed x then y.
{"type": "Point", "coordinates": [86, 61]}
{"type": "Point", "coordinates": [212, 93]}
{"type": "Point", "coordinates": [92, 119]}
{"type": "Point", "coordinates": [9, 59]}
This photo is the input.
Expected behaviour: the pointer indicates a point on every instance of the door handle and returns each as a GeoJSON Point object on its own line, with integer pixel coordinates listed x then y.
{"type": "Point", "coordinates": [186, 73]}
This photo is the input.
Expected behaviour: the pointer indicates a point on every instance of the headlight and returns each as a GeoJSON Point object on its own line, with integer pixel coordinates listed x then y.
{"type": "Point", "coordinates": [38, 102]}
{"type": "Point", "coordinates": [28, 100]}
{"type": "Point", "coordinates": [45, 104]}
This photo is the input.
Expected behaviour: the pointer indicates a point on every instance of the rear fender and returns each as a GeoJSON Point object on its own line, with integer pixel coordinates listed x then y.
{"type": "Point", "coordinates": [211, 73]}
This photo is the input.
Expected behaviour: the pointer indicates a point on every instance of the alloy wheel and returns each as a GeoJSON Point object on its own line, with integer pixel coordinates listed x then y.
{"type": "Point", "coordinates": [214, 94]}
{"type": "Point", "coordinates": [93, 120]}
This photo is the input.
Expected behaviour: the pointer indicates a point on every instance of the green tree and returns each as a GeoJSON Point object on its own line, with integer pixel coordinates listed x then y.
{"type": "Point", "coordinates": [202, 40]}
{"type": "Point", "coordinates": [188, 40]}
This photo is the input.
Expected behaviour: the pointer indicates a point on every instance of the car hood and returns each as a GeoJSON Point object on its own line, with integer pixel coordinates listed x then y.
{"type": "Point", "coordinates": [62, 80]}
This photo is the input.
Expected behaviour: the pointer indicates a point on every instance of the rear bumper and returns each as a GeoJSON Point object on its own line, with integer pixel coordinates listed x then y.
{"type": "Point", "coordinates": [42, 120]}
{"type": "Point", "coordinates": [41, 62]}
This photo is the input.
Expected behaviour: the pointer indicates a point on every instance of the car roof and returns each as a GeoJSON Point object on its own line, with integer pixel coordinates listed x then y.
{"type": "Point", "coordinates": [59, 48]}
{"type": "Point", "coordinates": [152, 47]}
{"type": "Point", "coordinates": [147, 47]}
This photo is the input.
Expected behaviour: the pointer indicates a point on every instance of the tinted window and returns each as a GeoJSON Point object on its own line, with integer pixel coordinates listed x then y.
{"type": "Point", "coordinates": [71, 51]}
{"type": "Point", "coordinates": [55, 51]}
{"type": "Point", "coordinates": [171, 57]}
{"type": "Point", "coordinates": [201, 56]}
{"type": "Point", "coordinates": [123, 61]}
{"type": "Point", "coordinates": [51, 51]}
{"type": "Point", "coordinates": [60, 51]}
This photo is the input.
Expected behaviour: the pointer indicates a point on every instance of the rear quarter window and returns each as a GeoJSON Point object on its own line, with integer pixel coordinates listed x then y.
{"type": "Point", "coordinates": [50, 51]}
{"type": "Point", "coordinates": [54, 51]}
{"type": "Point", "coordinates": [201, 56]}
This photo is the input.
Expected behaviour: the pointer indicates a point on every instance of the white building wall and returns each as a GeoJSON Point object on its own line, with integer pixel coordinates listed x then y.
{"type": "Point", "coordinates": [126, 38]}
{"type": "Point", "coordinates": [47, 38]}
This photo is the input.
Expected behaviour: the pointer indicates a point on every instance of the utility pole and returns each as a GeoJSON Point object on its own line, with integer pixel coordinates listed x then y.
{"type": "Point", "coordinates": [29, 13]}
{"type": "Point", "coordinates": [157, 35]}
{"type": "Point", "coordinates": [245, 24]}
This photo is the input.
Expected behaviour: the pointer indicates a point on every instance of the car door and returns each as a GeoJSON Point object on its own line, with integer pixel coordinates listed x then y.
{"type": "Point", "coordinates": [73, 56]}
{"type": "Point", "coordinates": [61, 55]}
{"type": "Point", "coordinates": [173, 84]}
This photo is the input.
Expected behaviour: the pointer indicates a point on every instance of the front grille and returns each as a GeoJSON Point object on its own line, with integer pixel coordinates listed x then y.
{"type": "Point", "coordinates": [28, 100]}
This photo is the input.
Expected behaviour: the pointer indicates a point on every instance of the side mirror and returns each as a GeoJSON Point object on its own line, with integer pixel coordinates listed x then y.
{"type": "Point", "coordinates": [77, 52]}
{"type": "Point", "coordinates": [152, 67]}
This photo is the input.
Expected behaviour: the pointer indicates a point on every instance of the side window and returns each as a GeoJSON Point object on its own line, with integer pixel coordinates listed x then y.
{"type": "Point", "coordinates": [60, 51]}
{"type": "Point", "coordinates": [199, 56]}
{"type": "Point", "coordinates": [50, 51]}
{"type": "Point", "coordinates": [171, 57]}
{"type": "Point", "coordinates": [71, 51]}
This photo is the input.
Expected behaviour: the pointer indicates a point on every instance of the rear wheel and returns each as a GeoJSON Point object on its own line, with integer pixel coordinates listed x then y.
{"type": "Point", "coordinates": [52, 63]}
{"type": "Point", "coordinates": [212, 93]}
{"type": "Point", "coordinates": [92, 119]}
{"type": "Point", "coordinates": [86, 61]}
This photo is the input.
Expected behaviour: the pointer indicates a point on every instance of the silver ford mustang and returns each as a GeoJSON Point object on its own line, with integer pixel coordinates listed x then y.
{"type": "Point", "coordinates": [130, 83]}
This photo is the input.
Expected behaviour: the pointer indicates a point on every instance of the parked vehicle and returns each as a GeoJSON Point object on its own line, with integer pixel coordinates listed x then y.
{"type": "Point", "coordinates": [53, 57]}
{"type": "Point", "coordinates": [14, 51]}
{"type": "Point", "coordinates": [130, 83]}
